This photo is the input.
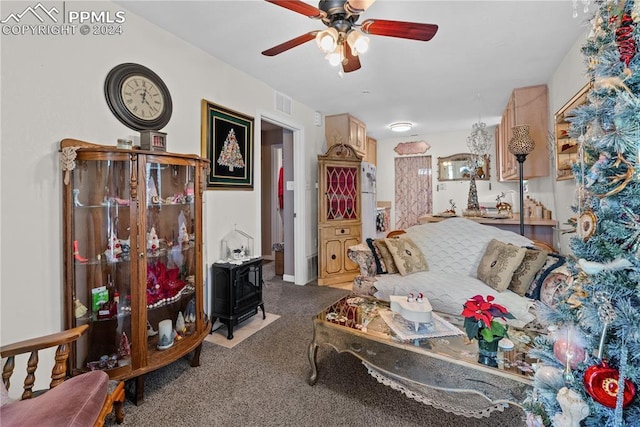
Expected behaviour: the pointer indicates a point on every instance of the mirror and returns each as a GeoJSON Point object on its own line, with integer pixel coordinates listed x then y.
{"type": "Point", "coordinates": [458, 167]}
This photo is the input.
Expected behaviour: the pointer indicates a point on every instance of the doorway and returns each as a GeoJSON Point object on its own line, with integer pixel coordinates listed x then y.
{"type": "Point", "coordinates": [277, 198]}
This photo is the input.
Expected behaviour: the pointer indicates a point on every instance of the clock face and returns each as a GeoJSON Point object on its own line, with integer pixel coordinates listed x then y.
{"type": "Point", "coordinates": [142, 97]}
{"type": "Point", "coordinates": [138, 97]}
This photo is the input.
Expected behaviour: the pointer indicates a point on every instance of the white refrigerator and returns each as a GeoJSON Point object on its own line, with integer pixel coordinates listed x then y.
{"type": "Point", "coordinates": [368, 196]}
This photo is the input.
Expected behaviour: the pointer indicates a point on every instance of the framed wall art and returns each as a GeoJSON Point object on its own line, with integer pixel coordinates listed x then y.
{"type": "Point", "coordinates": [227, 141]}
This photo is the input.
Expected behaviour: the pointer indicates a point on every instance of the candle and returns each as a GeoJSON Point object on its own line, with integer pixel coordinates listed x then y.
{"type": "Point", "coordinates": [165, 328]}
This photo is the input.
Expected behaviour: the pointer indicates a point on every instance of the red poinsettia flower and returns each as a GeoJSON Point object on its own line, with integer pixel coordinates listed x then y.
{"type": "Point", "coordinates": [479, 314]}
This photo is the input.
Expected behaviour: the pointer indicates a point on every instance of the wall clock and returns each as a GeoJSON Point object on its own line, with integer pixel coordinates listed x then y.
{"type": "Point", "coordinates": [138, 97]}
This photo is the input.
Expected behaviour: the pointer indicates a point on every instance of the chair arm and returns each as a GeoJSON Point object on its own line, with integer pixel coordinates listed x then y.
{"type": "Point", "coordinates": [40, 343]}
{"type": "Point", "coordinates": [32, 346]}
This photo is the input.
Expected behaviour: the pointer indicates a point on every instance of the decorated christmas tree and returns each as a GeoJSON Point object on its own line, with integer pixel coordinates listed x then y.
{"type": "Point", "coordinates": [230, 155]}
{"type": "Point", "coordinates": [590, 360]}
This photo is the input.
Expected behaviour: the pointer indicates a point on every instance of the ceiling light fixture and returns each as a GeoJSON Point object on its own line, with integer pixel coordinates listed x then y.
{"type": "Point", "coordinates": [400, 126]}
{"type": "Point", "coordinates": [327, 39]}
{"type": "Point", "coordinates": [335, 57]}
{"type": "Point", "coordinates": [357, 42]}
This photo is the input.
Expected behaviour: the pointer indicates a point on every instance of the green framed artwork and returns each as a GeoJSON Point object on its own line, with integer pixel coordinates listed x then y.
{"type": "Point", "coordinates": [227, 141]}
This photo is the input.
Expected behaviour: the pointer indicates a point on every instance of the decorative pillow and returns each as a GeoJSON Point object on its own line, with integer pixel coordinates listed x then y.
{"type": "Point", "coordinates": [498, 263]}
{"type": "Point", "coordinates": [381, 267]}
{"type": "Point", "coordinates": [362, 255]}
{"type": "Point", "coordinates": [406, 255]}
{"type": "Point", "coordinates": [363, 285]}
{"type": "Point", "coordinates": [553, 261]}
{"type": "Point", "coordinates": [533, 260]}
{"type": "Point", "coordinates": [381, 245]}
{"type": "Point", "coordinates": [555, 285]}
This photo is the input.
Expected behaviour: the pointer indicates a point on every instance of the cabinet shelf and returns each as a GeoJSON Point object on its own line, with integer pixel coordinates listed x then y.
{"type": "Point", "coordinates": [566, 148]}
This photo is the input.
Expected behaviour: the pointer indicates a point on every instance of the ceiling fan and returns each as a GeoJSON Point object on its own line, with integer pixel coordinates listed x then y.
{"type": "Point", "coordinates": [341, 41]}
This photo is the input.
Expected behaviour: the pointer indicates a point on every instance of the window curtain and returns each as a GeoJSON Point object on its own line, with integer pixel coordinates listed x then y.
{"type": "Point", "coordinates": [413, 189]}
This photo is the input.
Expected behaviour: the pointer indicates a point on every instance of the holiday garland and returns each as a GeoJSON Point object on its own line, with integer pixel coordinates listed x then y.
{"type": "Point", "coordinates": [590, 361]}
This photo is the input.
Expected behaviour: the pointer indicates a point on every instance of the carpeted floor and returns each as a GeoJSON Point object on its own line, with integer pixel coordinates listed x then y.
{"type": "Point", "coordinates": [263, 380]}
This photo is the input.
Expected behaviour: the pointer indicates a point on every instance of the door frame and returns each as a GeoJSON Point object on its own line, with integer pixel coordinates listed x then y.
{"type": "Point", "coordinates": [299, 209]}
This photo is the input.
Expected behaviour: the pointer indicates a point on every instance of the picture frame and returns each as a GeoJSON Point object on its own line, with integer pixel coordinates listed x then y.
{"type": "Point", "coordinates": [227, 141]}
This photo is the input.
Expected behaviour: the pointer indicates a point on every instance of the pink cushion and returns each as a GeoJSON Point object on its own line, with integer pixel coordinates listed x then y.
{"type": "Point", "coordinates": [76, 402]}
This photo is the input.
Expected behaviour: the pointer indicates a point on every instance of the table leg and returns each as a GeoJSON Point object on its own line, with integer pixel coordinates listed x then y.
{"type": "Point", "coordinates": [264, 316]}
{"type": "Point", "coordinates": [313, 350]}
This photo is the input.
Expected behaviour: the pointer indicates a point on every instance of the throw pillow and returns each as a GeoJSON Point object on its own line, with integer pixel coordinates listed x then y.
{"type": "Point", "coordinates": [377, 256]}
{"type": "Point", "coordinates": [362, 255]}
{"type": "Point", "coordinates": [406, 255]}
{"type": "Point", "coordinates": [533, 260]}
{"type": "Point", "coordinates": [498, 263]}
{"type": "Point", "coordinates": [555, 286]}
{"type": "Point", "coordinates": [381, 245]}
{"type": "Point", "coordinates": [553, 261]}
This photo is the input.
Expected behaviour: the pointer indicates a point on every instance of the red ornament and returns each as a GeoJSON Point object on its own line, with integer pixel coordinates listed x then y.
{"type": "Point", "coordinates": [624, 39]}
{"type": "Point", "coordinates": [601, 382]}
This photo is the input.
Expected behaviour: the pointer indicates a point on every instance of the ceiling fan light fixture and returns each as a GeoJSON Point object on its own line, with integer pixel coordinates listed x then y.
{"type": "Point", "coordinates": [357, 42]}
{"type": "Point", "coordinates": [400, 126]}
{"type": "Point", "coordinates": [335, 57]}
{"type": "Point", "coordinates": [327, 39]}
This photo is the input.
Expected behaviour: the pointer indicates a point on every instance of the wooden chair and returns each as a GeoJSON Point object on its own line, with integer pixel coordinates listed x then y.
{"type": "Point", "coordinates": [83, 400]}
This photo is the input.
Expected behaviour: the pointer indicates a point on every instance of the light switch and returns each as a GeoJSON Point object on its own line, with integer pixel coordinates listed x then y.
{"type": "Point", "coordinates": [290, 186]}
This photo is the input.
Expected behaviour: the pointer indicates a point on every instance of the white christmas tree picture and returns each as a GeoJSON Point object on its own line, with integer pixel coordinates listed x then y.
{"type": "Point", "coordinates": [230, 155]}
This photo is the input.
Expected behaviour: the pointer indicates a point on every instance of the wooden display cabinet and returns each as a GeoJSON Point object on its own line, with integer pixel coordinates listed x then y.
{"type": "Point", "coordinates": [133, 259]}
{"type": "Point", "coordinates": [527, 105]}
{"type": "Point", "coordinates": [346, 129]}
{"type": "Point", "coordinates": [339, 218]}
{"type": "Point", "coordinates": [566, 148]}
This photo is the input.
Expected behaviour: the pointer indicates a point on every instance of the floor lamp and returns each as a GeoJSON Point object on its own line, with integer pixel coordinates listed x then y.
{"type": "Point", "coordinates": [520, 145]}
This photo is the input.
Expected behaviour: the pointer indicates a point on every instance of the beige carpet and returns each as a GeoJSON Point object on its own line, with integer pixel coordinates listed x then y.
{"type": "Point", "coordinates": [242, 331]}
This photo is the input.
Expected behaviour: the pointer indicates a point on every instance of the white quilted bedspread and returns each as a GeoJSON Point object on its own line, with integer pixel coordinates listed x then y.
{"type": "Point", "coordinates": [453, 249]}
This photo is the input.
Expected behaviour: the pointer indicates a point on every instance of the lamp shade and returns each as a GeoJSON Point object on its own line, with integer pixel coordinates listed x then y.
{"type": "Point", "coordinates": [521, 143]}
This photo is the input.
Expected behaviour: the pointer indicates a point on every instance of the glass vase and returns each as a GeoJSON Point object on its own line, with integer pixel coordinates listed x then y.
{"type": "Point", "coordinates": [488, 352]}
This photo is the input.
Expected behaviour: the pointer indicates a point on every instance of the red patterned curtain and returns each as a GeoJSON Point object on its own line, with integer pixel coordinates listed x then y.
{"type": "Point", "coordinates": [413, 189]}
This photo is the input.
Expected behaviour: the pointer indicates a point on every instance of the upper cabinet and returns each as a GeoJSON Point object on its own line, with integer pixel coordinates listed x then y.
{"type": "Point", "coordinates": [527, 105]}
{"type": "Point", "coordinates": [372, 151]}
{"type": "Point", "coordinates": [566, 148]}
{"type": "Point", "coordinates": [346, 129]}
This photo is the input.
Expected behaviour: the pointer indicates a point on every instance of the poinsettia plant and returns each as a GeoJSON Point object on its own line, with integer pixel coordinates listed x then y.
{"type": "Point", "coordinates": [480, 318]}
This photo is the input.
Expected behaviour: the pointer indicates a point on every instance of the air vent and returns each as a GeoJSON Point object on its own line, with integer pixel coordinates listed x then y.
{"type": "Point", "coordinates": [284, 103]}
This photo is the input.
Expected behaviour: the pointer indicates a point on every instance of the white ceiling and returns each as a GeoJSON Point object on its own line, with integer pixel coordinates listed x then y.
{"type": "Point", "coordinates": [483, 49]}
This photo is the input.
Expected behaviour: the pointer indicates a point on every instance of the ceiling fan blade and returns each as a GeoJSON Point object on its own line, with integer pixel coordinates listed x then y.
{"type": "Point", "coordinates": [300, 7]}
{"type": "Point", "coordinates": [289, 44]}
{"type": "Point", "coordinates": [403, 30]}
{"type": "Point", "coordinates": [356, 7]}
{"type": "Point", "coordinates": [351, 62]}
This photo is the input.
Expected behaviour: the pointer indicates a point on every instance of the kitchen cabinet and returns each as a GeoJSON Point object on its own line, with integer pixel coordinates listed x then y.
{"type": "Point", "coordinates": [526, 105]}
{"type": "Point", "coordinates": [346, 129]}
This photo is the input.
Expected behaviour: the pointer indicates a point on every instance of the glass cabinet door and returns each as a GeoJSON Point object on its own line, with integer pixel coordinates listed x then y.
{"type": "Point", "coordinates": [100, 224]}
{"type": "Point", "coordinates": [170, 254]}
{"type": "Point", "coordinates": [341, 192]}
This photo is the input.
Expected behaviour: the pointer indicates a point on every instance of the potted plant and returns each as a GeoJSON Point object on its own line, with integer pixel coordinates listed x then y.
{"type": "Point", "coordinates": [481, 322]}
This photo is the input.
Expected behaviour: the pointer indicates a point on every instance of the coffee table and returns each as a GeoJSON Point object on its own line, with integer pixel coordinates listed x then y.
{"type": "Point", "coordinates": [442, 372]}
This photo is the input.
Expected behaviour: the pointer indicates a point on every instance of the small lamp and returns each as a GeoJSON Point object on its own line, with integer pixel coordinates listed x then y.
{"type": "Point", "coordinates": [520, 145]}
